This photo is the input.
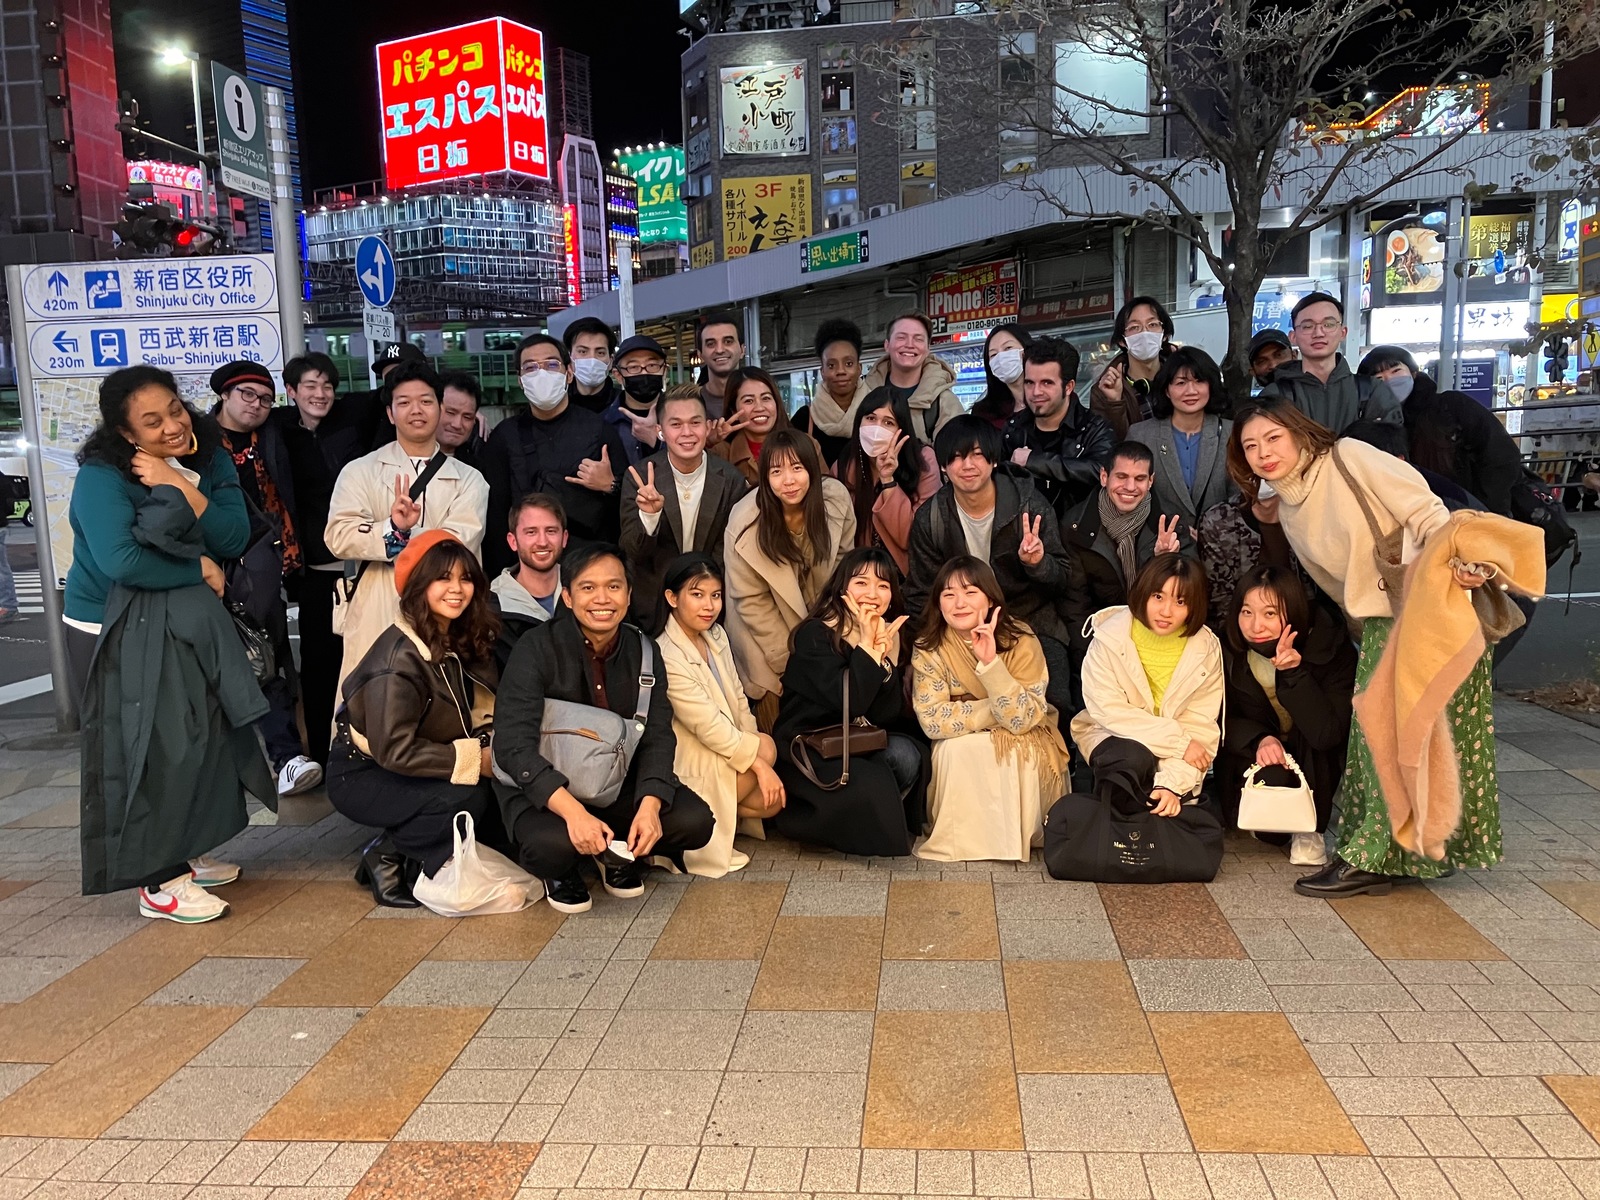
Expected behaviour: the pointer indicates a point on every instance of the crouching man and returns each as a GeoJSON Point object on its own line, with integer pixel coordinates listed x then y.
{"type": "Point", "coordinates": [587, 654]}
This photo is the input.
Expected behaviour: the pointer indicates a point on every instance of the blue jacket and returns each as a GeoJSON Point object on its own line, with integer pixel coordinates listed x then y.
{"type": "Point", "coordinates": [105, 552]}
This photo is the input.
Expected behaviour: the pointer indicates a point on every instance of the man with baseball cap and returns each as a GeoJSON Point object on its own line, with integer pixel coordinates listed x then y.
{"type": "Point", "coordinates": [641, 364]}
{"type": "Point", "coordinates": [1269, 350]}
{"type": "Point", "coordinates": [262, 459]}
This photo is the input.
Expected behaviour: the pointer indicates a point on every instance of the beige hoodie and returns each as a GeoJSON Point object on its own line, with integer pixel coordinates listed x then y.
{"type": "Point", "coordinates": [934, 390]}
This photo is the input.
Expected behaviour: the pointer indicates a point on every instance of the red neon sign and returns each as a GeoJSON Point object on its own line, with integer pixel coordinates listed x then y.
{"type": "Point", "coordinates": [463, 101]}
{"type": "Point", "coordinates": [569, 232]}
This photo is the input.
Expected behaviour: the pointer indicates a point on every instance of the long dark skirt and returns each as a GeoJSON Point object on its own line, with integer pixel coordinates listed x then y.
{"type": "Point", "coordinates": [877, 814]}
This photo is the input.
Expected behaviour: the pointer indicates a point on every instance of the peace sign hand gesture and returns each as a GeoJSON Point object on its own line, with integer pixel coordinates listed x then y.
{"type": "Point", "coordinates": [983, 646]}
{"type": "Point", "coordinates": [1286, 657]}
{"type": "Point", "coordinates": [1167, 535]}
{"type": "Point", "coordinates": [648, 498]}
{"type": "Point", "coordinates": [1031, 548]}
{"type": "Point", "coordinates": [889, 460]}
{"type": "Point", "coordinates": [405, 512]}
{"type": "Point", "coordinates": [722, 429]}
{"type": "Point", "coordinates": [646, 428]}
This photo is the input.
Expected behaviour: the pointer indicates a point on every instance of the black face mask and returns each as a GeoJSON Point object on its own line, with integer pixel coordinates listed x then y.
{"type": "Point", "coordinates": [646, 389]}
{"type": "Point", "coordinates": [1266, 649]}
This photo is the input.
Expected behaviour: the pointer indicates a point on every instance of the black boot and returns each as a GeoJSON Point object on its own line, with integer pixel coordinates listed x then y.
{"type": "Point", "coordinates": [1339, 879]}
{"type": "Point", "coordinates": [383, 869]}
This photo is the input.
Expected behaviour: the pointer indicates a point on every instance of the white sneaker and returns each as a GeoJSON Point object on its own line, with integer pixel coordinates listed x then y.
{"type": "Point", "coordinates": [180, 900]}
{"type": "Point", "coordinates": [299, 774]}
{"type": "Point", "coordinates": [1308, 850]}
{"type": "Point", "coordinates": [211, 872]}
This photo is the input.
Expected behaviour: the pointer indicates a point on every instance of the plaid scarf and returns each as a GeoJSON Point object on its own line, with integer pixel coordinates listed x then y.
{"type": "Point", "coordinates": [1123, 530]}
{"type": "Point", "coordinates": [272, 502]}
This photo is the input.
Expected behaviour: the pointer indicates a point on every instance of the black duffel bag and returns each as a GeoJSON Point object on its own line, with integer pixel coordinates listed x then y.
{"type": "Point", "coordinates": [1092, 841]}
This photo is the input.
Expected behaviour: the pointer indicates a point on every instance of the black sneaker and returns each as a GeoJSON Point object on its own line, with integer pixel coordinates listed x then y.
{"type": "Point", "coordinates": [569, 894]}
{"type": "Point", "coordinates": [620, 878]}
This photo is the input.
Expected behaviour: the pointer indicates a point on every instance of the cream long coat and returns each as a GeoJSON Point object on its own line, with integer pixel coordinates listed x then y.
{"type": "Point", "coordinates": [766, 599]}
{"type": "Point", "coordinates": [358, 517]}
{"type": "Point", "coordinates": [1118, 703]}
{"type": "Point", "coordinates": [716, 737]}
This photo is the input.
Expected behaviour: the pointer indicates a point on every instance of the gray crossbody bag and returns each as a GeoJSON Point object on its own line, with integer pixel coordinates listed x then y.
{"type": "Point", "coordinates": [593, 747]}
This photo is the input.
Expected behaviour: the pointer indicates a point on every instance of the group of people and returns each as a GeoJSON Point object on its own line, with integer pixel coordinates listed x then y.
{"type": "Point", "coordinates": [882, 624]}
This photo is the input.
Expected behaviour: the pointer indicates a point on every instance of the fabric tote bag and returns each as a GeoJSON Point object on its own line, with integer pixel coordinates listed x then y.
{"type": "Point", "coordinates": [476, 881]}
{"type": "Point", "coordinates": [1087, 839]}
{"type": "Point", "coordinates": [1272, 808]}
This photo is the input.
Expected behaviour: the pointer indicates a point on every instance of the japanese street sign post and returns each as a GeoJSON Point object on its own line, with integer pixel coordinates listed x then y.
{"type": "Point", "coordinates": [241, 133]}
{"type": "Point", "coordinates": [73, 324]}
{"type": "Point", "coordinates": [832, 252]}
{"type": "Point", "coordinates": [376, 276]}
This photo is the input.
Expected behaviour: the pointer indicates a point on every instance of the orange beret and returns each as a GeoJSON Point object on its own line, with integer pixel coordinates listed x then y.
{"type": "Point", "coordinates": [405, 562]}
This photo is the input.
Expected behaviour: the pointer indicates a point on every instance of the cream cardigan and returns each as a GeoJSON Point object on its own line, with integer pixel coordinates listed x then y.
{"type": "Point", "coordinates": [1322, 520]}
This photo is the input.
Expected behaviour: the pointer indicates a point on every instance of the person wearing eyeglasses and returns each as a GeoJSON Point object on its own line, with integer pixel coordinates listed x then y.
{"type": "Point", "coordinates": [1321, 384]}
{"type": "Point", "coordinates": [552, 446]}
{"type": "Point", "coordinates": [641, 364]}
{"type": "Point", "coordinates": [261, 457]}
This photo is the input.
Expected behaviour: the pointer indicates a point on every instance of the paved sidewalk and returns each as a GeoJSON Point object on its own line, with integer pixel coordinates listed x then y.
{"type": "Point", "coordinates": [815, 1025]}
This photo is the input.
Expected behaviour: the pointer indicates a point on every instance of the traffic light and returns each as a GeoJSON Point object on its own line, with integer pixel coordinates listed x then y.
{"type": "Point", "coordinates": [1555, 360]}
{"type": "Point", "coordinates": [1589, 256]}
{"type": "Point", "coordinates": [155, 228]}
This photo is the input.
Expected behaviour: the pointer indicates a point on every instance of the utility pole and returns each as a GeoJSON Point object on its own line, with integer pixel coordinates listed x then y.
{"type": "Point", "coordinates": [285, 229]}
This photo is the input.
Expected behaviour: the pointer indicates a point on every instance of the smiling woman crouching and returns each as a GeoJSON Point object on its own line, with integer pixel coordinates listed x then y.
{"type": "Point", "coordinates": [412, 748]}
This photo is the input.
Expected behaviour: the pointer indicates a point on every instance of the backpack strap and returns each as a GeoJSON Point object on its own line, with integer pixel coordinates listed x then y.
{"type": "Point", "coordinates": [647, 679]}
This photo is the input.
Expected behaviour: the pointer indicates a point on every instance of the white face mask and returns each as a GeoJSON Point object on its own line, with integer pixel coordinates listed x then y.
{"type": "Point", "coordinates": [1006, 365]}
{"type": "Point", "coordinates": [875, 439]}
{"type": "Point", "coordinates": [590, 372]}
{"type": "Point", "coordinates": [544, 389]}
{"type": "Point", "coordinates": [1145, 346]}
{"type": "Point", "coordinates": [1401, 386]}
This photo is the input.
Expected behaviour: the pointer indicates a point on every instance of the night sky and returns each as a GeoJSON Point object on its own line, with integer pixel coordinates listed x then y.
{"type": "Point", "coordinates": [633, 67]}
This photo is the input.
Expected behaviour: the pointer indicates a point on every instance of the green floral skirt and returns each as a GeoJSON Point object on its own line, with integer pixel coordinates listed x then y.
{"type": "Point", "coordinates": [1365, 838]}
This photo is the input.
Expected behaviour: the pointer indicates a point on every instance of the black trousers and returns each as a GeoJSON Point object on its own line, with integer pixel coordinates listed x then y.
{"type": "Point", "coordinates": [544, 849]}
{"type": "Point", "coordinates": [416, 813]}
{"type": "Point", "coordinates": [1124, 773]}
{"type": "Point", "coordinates": [321, 651]}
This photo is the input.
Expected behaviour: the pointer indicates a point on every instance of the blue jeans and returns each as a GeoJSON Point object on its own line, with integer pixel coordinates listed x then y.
{"type": "Point", "coordinates": [8, 581]}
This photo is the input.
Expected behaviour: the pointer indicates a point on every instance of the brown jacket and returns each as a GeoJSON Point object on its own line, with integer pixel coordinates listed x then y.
{"type": "Point", "coordinates": [414, 716]}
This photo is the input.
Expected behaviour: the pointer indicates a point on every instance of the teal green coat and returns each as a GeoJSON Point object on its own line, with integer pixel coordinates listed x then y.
{"type": "Point", "coordinates": [105, 551]}
{"type": "Point", "coordinates": [168, 744]}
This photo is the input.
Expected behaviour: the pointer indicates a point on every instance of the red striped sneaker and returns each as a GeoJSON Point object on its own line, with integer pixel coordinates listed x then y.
{"type": "Point", "coordinates": [211, 872]}
{"type": "Point", "coordinates": [180, 900]}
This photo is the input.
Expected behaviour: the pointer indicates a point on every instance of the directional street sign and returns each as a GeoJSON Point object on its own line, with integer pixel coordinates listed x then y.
{"type": "Point", "coordinates": [241, 132]}
{"type": "Point", "coordinates": [150, 287]}
{"type": "Point", "coordinates": [375, 271]}
{"type": "Point", "coordinates": [183, 345]}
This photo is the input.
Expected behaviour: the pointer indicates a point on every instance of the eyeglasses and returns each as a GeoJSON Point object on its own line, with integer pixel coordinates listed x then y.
{"type": "Point", "coordinates": [634, 369]}
{"type": "Point", "coordinates": [556, 367]}
{"type": "Point", "coordinates": [1329, 325]}
{"type": "Point", "coordinates": [259, 399]}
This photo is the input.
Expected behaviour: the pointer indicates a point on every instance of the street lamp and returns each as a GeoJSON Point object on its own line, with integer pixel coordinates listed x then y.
{"type": "Point", "coordinates": [173, 56]}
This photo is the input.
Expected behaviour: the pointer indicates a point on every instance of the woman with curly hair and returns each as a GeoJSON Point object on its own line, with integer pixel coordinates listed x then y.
{"type": "Point", "coordinates": [412, 748]}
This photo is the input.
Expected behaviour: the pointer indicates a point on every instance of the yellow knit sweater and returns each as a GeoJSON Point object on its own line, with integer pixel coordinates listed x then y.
{"type": "Point", "coordinates": [1158, 655]}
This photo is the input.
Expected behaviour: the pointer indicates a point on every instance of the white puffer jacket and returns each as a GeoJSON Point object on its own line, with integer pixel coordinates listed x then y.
{"type": "Point", "coordinates": [1118, 703]}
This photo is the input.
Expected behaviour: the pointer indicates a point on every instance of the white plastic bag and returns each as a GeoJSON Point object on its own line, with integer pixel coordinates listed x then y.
{"type": "Point", "coordinates": [476, 880]}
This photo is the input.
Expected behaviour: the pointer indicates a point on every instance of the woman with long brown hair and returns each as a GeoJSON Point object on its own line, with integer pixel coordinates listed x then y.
{"type": "Point", "coordinates": [851, 643]}
{"type": "Point", "coordinates": [1342, 503]}
{"type": "Point", "coordinates": [891, 473]}
{"type": "Point", "coordinates": [979, 694]}
{"type": "Point", "coordinates": [412, 748]}
{"type": "Point", "coordinates": [783, 540]}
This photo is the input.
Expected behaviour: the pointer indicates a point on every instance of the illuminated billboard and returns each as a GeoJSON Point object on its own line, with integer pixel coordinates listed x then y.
{"type": "Point", "coordinates": [469, 100]}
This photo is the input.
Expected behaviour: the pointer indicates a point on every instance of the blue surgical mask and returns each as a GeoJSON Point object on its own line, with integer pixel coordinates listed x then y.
{"type": "Point", "coordinates": [1401, 386]}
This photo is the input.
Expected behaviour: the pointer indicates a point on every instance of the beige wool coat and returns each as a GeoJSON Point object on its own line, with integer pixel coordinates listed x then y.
{"type": "Point", "coordinates": [358, 517]}
{"type": "Point", "coordinates": [717, 737]}
{"type": "Point", "coordinates": [766, 600]}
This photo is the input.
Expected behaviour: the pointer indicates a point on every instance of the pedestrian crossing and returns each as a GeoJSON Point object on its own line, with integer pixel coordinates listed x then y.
{"type": "Point", "coordinates": [30, 593]}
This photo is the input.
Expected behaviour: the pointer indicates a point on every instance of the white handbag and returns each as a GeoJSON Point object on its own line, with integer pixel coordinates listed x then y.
{"type": "Point", "coordinates": [1272, 809]}
{"type": "Point", "coordinates": [476, 880]}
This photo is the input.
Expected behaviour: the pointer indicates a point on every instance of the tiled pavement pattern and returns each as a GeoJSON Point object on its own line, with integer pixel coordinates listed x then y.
{"type": "Point", "coordinates": [815, 1026]}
